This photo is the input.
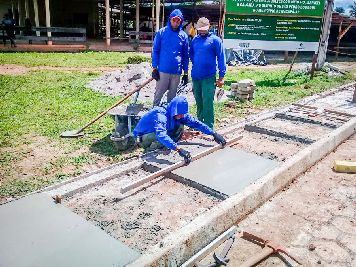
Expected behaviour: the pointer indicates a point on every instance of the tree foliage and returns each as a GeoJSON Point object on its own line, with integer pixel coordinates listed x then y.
{"type": "Point", "coordinates": [340, 9]}
{"type": "Point", "coordinates": [353, 9]}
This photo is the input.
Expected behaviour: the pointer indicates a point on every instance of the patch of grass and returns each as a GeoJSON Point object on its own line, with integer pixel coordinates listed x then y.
{"type": "Point", "coordinates": [272, 90]}
{"type": "Point", "coordinates": [136, 59]}
{"type": "Point", "coordinates": [46, 103]}
{"type": "Point", "coordinates": [18, 187]}
{"type": "Point", "coordinates": [84, 59]}
{"type": "Point", "coordinates": [81, 160]}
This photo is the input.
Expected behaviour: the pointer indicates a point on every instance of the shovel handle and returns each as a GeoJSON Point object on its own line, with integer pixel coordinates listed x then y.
{"type": "Point", "coordinates": [115, 105]}
{"type": "Point", "coordinates": [265, 252]}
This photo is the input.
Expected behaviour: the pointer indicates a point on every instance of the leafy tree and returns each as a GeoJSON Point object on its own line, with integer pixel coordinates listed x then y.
{"type": "Point", "coordinates": [353, 9]}
{"type": "Point", "coordinates": [340, 9]}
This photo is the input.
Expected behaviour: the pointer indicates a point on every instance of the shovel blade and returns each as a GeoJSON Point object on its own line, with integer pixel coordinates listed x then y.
{"type": "Point", "coordinates": [72, 134]}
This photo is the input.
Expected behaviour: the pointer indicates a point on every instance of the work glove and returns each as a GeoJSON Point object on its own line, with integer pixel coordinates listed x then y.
{"type": "Point", "coordinates": [219, 139]}
{"type": "Point", "coordinates": [155, 74]}
{"type": "Point", "coordinates": [185, 154]}
{"type": "Point", "coordinates": [220, 82]}
{"type": "Point", "coordinates": [184, 80]}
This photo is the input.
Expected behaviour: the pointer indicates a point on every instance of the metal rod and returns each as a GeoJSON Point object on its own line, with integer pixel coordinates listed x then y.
{"type": "Point", "coordinates": [175, 166]}
{"type": "Point", "coordinates": [210, 247]}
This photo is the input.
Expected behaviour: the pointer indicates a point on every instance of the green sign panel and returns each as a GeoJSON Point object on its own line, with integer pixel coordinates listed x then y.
{"type": "Point", "coordinates": [270, 28]}
{"type": "Point", "coordinates": [277, 7]}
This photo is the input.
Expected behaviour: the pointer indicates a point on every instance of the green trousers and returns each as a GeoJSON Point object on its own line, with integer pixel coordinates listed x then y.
{"type": "Point", "coordinates": [149, 141]}
{"type": "Point", "coordinates": [204, 92]}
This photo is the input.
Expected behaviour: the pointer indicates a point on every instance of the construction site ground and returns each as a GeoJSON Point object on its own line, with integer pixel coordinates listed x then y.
{"type": "Point", "coordinates": [167, 220]}
{"type": "Point", "coordinates": [314, 218]}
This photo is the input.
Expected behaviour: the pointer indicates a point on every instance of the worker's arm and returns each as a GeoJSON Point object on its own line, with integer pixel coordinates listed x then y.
{"type": "Point", "coordinates": [193, 123]}
{"type": "Point", "coordinates": [198, 125]}
{"type": "Point", "coordinates": [191, 51]}
{"type": "Point", "coordinates": [155, 50]}
{"type": "Point", "coordinates": [162, 136]}
{"type": "Point", "coordinates": [160, 126]}
{"type": "Point", "coordinates": [220, 54]}
{"type": "Point", "coordinates": [185, 55]}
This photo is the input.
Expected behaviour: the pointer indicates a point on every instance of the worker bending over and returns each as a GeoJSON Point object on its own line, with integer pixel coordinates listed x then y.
{"type": "Point", "coordinates": [163, 126]}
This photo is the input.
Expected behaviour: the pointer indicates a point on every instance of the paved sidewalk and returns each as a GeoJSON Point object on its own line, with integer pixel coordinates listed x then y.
{"type": "Point", "coordinates": [315, 218]}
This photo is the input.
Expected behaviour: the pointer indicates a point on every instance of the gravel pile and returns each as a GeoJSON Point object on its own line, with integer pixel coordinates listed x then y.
{"type": "Point", "coordinates": [120, 82]}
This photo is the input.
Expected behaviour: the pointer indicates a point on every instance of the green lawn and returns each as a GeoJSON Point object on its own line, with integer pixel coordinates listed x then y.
{"type": "Point", "coordinates": [85, 59]}
{"type": "Point", "coordinates": [46, 103]}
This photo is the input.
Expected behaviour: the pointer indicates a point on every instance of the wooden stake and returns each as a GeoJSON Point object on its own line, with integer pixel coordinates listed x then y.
{"type": "Point", "coordinates": [286, 56]}
{"type": "Point", "coordinates": [354, 97]}
{"type": "Point", "coordinates": [175, 166]}
{"type": "Point", "coordinates": [313, 66]}
{"type": "Point", "coordinates": [291, 65]}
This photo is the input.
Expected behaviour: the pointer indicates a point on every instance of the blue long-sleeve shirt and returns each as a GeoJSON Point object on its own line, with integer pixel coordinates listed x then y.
{"type": "Point", "coordinates": [170, 48]}
{"type": "Point", "coordinates": [160, 120]}
{"type": "Point", "coordinates": [204, 52]}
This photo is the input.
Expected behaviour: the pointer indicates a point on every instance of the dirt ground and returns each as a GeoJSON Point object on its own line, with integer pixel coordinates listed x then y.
{"type": "Point", "coordinates": [314, 218]}
{"type": "Point", "coordinates": [145, 217]}
{"type": "Point", "coordinates": [13, 69]}
{"type": "Point", "coordinates": [40, 157]}
{"type": "Point", "coordinates": [299, 129]}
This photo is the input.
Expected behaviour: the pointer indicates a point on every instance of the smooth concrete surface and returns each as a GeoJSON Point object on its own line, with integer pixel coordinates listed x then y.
{"type": "Point", "coordinates": [34, 231]}
{"type": "Point", "coordinates": [183, 243]}
{"type": "Point", "coordinates": [227, 170]}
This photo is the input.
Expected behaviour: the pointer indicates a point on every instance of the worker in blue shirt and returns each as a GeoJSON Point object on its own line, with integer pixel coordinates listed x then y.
{"type": "Point", "coordinates": [170, 57]}
{"type": "Point", "coordinates": [205, 50]}
{"type": "Point", "coordinates": [163, 126]}
{"type": "Point", "coordinates": [9, 27]}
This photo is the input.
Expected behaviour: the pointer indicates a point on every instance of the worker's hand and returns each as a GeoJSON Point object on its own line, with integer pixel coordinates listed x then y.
{"type": "Point", "coordinates": [219, 139]}
{"type": "Point", "coordinates": [185, 154]}
{"type": "Point", "coordinates": [220, 82]}
{"type": "Point", "coordinates": [155, 74]}
{"type": "Point", "coordinates": [184, 80]}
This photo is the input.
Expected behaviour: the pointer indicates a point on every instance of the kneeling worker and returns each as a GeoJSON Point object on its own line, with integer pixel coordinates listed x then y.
{"type": "Point", "coordinates": [165, 125]}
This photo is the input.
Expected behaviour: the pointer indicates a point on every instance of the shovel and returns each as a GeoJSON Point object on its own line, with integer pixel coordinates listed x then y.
{"type": "Point", "coordinates": [78, 133]}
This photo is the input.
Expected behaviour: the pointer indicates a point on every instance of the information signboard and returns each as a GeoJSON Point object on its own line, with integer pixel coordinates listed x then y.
{"type": "Point", "coordinates": [277, 7]}
{"type": "Point", "coordinates": [292, 25]}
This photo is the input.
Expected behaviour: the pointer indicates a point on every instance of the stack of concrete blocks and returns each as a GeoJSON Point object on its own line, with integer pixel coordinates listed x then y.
{"type": "Point", "coordinates": [243, 89]}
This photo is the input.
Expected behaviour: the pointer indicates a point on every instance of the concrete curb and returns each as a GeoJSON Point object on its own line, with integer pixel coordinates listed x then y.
{"type": "Point", "coordinates": [182, 244]}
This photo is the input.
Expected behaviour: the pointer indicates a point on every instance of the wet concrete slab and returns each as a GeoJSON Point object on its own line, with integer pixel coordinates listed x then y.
{"type": "Point", "coordinates": [34, 231]}
{"type": "Point", "coordinates": [228, 170]}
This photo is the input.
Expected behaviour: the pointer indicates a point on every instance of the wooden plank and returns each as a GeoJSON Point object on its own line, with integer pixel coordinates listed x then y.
{"type": "Point", "coordinates": [345, 166]}
{"type": "Point", "coordinates": [338, 112]}
{"type": "Point", "coordinates": [177, 165]}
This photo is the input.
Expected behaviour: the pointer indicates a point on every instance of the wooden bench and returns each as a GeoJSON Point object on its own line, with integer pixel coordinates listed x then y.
{"type": "Point", "coordinates": [58, 34]}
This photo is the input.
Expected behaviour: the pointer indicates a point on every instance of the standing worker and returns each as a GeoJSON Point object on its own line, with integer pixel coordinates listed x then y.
{"type": "Point", "coordinates": [205, 49]}
{"type": "Point", "coordinates": [163, 127]}
{"type": "Point", "coordinates": [170, 57]}
{"type": "Point", "coordinates": [9, 27]}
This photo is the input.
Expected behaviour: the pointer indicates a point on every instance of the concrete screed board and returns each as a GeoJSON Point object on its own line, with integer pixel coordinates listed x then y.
{"type": "Point", "coordinates": [228, 170]}
{"type": "Point", "coordinates": [34, 231]}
